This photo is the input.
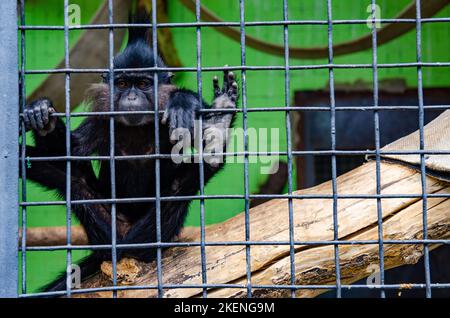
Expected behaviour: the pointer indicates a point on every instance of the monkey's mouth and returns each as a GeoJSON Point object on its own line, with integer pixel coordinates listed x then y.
{"type": "Point", "coordinates": [135, 120]}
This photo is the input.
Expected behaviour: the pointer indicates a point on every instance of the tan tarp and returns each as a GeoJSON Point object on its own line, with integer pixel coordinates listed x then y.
{"type": "Point", "coordinates": [436, 138]}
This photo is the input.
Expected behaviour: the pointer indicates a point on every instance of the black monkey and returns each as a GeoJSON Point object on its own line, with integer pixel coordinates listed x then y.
{"type": "Point", "coordinates": [134, 135]}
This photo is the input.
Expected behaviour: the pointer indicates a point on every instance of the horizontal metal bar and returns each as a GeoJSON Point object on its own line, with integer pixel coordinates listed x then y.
{"type": "Point", "coordinates": [229, 24]}
{"type": "Point", "coordinates": [241, 68]}
{"type": "Point", "coordinates": [234, 243]}
{"type": "Point", "coordinates": [241, 154]}
{"type": "Point", "coordinates": [256, 109]}
{"type": "Point", "coordinates": [239, 197]}
{"type": "Point", "coordinates": [234, 286]}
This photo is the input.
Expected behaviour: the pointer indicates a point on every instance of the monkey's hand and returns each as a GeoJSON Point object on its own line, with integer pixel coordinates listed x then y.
{"type": "Point", "coordinates": [229, 90]}
{"type": "Point", "coordinates": [180, 114]}
{"type": "Point", "coordinates": [217, 124]}
{"type": "Point", "coordinates": [37, 117]}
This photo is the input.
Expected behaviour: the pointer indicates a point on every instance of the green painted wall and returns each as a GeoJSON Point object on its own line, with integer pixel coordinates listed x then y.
{"type": "Point", "coordinates": [264, 88]}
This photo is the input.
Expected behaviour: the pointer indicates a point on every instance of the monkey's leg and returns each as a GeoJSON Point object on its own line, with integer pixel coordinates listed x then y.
{"type": "Point", "coordinates": [173, 215]}
{"type": "Point", "coordinates": [88, 266]}
{"type": "Point", "coordinates": [95, 217]}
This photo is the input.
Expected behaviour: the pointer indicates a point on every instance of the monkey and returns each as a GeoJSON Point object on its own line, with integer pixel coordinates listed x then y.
{"type": "Point", "coordinates": [134, 134]}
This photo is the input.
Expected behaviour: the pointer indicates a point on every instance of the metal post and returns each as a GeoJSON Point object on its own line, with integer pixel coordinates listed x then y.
{"type": "Point", "coordinates": [9, 150]}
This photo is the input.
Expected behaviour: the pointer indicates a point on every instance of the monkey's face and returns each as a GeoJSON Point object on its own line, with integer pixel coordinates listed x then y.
{"type": "Point", "coordinates": [134, 93]}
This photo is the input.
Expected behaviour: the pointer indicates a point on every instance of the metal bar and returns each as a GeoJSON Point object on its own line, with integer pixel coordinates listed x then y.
{"type": "Point", "coordinates": [426, 256]}
{"type": "Point", "coordinates": [242, 68]}
{"type": "Point", "coordinates": [258, 110]}
{"type": "Point", "coordinates": [376, 124]}
{"type": "Point", "coordinates": [235, 286]}
{"type": "Point", "coordinates": [232, 24]}
{"type": "Point", "coordinates": [9, 150]}
{"type": "Point", "coordinates": [157, 151]}
{"type": "Point", "coordinates": [68, 152]}
{"type": "Point", "coordinates": [246, 153]}
{"type": "Point", "coordinates": [200, 148]}
{"type": "Point", "coordinates": [241, 197]}
{"type": "Point", "coordinates": [112, 161]}
{"type": "Point", "coordinates": [287, 96]}
{"type": "Point", "coordinates": [333, 147]}
{"type": "Point", "coordinates": [23, 148]}
{"type": "Point", "coordinates": [237, 243]}
{"type": "Point", "coordinates": [245, 126]}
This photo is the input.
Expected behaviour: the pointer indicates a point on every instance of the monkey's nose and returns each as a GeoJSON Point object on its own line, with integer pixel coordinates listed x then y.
{"type": "Point", "coordinates": [132, 97]}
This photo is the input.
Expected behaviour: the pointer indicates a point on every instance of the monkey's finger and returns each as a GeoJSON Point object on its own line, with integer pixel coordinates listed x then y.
{"type": "Point", "coordinates": [51, 119]}
{"type": "Point", "coordinates": [233, 93]}
{"type": "Point", "coordinates": [216, 86]}
{"type": "Point", "coordinates": [30, 114]}
{"type": "Point", "coordinates": [165, 117]}
{"type": "Point", "coordinates": [26, 120]}
{"type": "Point", "coordinates": [225, 79]}
{"type": "Point", "coordinates": [182, 119]}
{"type": "Point", "coordinates": [232, 84]}
{"type": "Point", "coordinates": [45, 114]}
{"type": "Point", "coordinates": [172, 125]}
{"type": "Point", "coordinates": [38, 117]}
{"type": "Point", "coordinates": [232, 88]}
{"type": "Point", "coordinates": [231, 78]}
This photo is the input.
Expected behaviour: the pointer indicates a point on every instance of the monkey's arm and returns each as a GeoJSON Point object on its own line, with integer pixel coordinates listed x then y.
{"type": "Point", "coordinates": [49, 134]}
{"type": "Point", "coordinates": [183, 109]}
{"type": "Point", "coordinates": [50, 139]}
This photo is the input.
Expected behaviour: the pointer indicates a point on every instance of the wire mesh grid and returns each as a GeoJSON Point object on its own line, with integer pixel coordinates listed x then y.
{"type": "Point", "coordinates": [287, 108]}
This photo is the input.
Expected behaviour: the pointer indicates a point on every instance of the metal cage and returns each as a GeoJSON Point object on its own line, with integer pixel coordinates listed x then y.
{"type": "Point", "coordinates": [13, 73]}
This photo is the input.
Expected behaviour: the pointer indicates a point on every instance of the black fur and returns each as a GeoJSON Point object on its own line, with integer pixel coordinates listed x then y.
{"type": "Point", "coordinates": [136, 222]}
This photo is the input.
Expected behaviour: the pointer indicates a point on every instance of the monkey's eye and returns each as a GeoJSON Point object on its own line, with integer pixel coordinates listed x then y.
{"type": "Point", "coordinates": [143, 84]}
{"type": "Point", "coordinates": [122, 84]}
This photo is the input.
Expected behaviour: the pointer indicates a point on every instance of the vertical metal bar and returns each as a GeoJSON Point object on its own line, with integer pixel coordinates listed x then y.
{"type": "Point", "coordinates": [157, 152]}
{"type": "Point", "coordinates": [245, 126]}
{"type": "Point", "coordinates": [23, 101]}
{"type": "Point", "coordinates": [68, 152]}
{"type": "Point", "coordinates": [9, 150]}
{"type": "Point", "coordinates": [112, 160]}
{"type": "Point", "coordinates": [200, 149]}
{"type": "Point", "coordinates": [376, 123]}
{"type": "Point", "coordinates": [333, 148]}
{"type": "Point", "coordinates": [287, 96]}
{"type": "Point", "coordinates": [422, 146]}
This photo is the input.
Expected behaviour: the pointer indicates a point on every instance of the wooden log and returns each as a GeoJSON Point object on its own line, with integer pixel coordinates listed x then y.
{"type": "Point", "coordinates": [53, 236]}
{"type": "Point", "coordinates": [316, 265]}
{"type": "Point", "coordinates": [313, 221]}
{"type": "Point", "coordinates": [57, 235]}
